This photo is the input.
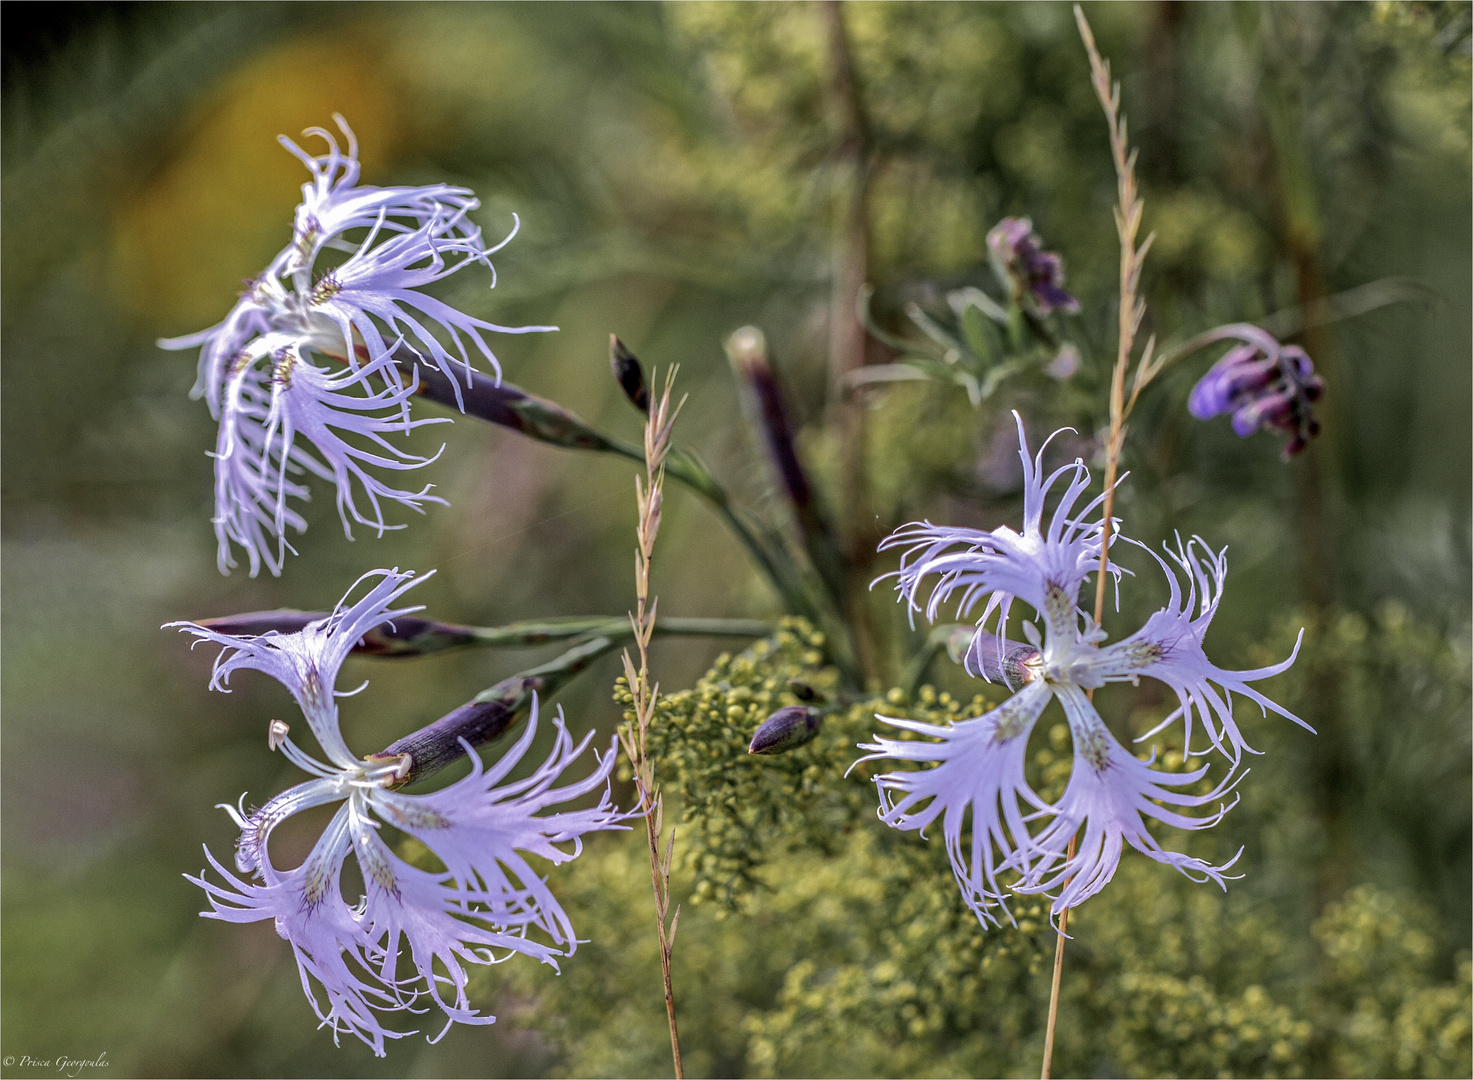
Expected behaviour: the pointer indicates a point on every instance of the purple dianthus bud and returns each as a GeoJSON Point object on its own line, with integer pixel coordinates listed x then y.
{"type": "Point", "coordinates": [995, 659]}
{"type": "Point", "coordinates": [789, 727]}
{"type": "Point", "coordinates": [747, 349]}
{"type": "Point", "coordinates": [630, 374]}
{"type": "Point", "coordinates": [479, 721]}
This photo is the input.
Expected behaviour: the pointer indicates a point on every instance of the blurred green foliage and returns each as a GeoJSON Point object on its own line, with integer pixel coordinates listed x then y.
{"type": "Point", "coordinates": [674, 171]}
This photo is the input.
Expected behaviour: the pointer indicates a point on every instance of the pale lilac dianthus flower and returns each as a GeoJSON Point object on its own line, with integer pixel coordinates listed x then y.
{"type": "Point", "coordinates": [359, 313]}
{"type": "Point", "coordinates": [979, 763]}
{"type": "Point", "coordinates": [486, 904]}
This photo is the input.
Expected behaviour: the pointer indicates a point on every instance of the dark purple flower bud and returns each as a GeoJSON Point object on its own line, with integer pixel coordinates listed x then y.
{"type": "Point", "coordinates": [478, 722]}
{"type": "Point", "coordinates": [768, 411]}
{"type": "Point", "coordinates": [785, 729]}
{"type": "Point", "coordinates": [748, 351]}
{"type": "Point", "coordinates": [1264, 385]}
{"type": "Point", "coordinates": [1242, 371]}
{"type": "Point", "coordinates": [1297, 363]}
{"type": "Point", "coordinates": [630, 375]}
{"type": "Point", "coordinates": [1273, 410]}
{"type": "Point", "coordinates": [1017, 253]}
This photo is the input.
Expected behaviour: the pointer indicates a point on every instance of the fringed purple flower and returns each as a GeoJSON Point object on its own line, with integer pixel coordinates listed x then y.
{"type": "Point", "coordinates": [1169, 648]}
{"type": "Point", "coordinates": [263, 412]}
{"type": "Point", "coordinates": [977, 787]}
{"type": "Point", "coordinates": [1002, 564]}
{"type": "Point", "coordinates": [333, 202]}
{"type": "Point", "coordinates": [979, 768]}
{"type": "Point", "coordinates": [484, 904]}
{"type": "Point", "coordinates": [362, 310]}
{"type": "Point", "coordinates": [1264, 385]}
{"type": "Point", "coordinates": [1018, 255]}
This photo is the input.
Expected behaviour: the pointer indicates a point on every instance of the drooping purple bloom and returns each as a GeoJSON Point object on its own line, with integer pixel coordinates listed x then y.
{"type": "Point", "coordinates": [333, 201]}
{"type": "Point", "coordinates": [977, 787]}
{"type": "Point", "coordinates": [488, 902]}
{"type": "Point", "coordinates": [355, 313]}
{"type": "Point", "coordinates": [1264, 385]}
{"type": "Point", "coordinates": [1017, 253]}
{"type": "Point", "coordinates": [265, 410]}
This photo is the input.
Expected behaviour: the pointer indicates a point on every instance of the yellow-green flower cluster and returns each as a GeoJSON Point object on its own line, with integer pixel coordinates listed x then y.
{"type": "Point", "coordinates": [1183, 1027]}
{"type": "Point", "coordinates": [741, 810]}
{"type": "Point", "coordinates": [738, 807]}
{"type": "Point", "coordinates": [1394, 1018]}
{"type": "Point", "coordinates": [894, 969]}
{"type": "Point", "coordinates": [839, 947]}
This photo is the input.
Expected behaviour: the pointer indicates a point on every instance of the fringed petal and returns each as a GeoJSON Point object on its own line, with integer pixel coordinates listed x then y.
{"type": "Point", "coordinates": [482, 832]}
{"type": "Point", "coordinates": [398, 240]}
{"type": "Point", "coordinates": [335, 953]}
{"type": "Point", "coordinates": [978, 781]}
{"type": "Point", "coordinates": [971, 565]}
{"type": "Point", "coordinates": [1169, 648]}
{"type": "Point", "coordinates": [379, 283]}
{"type": "Point", "coordinates": [306, 662]}
{"type": "Point", "coordinates": [439, 921]}
{"type": "Point", "coordinates": [1110, 793]}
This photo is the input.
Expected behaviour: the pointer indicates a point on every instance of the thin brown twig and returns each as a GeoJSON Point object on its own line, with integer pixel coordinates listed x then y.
{"type": "Point", "coordinates": [1128, 214]}
{"type": "Point", "coordinates": [649, 494]}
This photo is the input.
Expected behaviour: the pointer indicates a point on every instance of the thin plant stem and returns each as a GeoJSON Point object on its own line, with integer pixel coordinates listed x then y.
{"type": "Point", "coordinates": [1053, 996]}
{"type": "Point", "coordinates": [1132, 310]}
{"type": "Point", "coordinates": [649, 494]}
{"type": "Point", "coordinates": [854, 170]}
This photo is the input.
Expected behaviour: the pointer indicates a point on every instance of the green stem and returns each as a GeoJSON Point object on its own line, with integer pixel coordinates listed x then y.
{"type": "Point", "coordinates": [541, 632]}
{"type": "Point", "coordinates": [511, 407]}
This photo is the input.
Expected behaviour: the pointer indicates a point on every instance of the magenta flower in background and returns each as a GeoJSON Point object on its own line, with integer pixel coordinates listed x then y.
{"type": "Point", "coordinates": [979, 763]}
{"type": "Point", "coordinates": [361, 312]}
{"type": "Point", "coordinates": [1017, 253]}
{"type": "Point", "coordinates": [1264, 385]}
{"type": "Point", "coordinates": [488, 902]}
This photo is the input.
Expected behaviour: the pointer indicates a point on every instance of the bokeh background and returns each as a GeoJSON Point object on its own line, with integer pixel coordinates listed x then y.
{"type": "Point", "coordinates": [677, 171]}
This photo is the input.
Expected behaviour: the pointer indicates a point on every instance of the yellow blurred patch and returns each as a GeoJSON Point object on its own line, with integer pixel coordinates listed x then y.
{"type": "Point", "coordinates": [221, 207]}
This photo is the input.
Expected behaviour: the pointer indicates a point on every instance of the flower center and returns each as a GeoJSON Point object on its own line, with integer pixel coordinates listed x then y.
{"type": "Point", "coordinates": [326, 288]}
